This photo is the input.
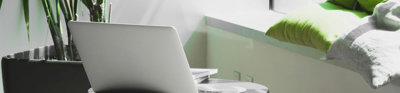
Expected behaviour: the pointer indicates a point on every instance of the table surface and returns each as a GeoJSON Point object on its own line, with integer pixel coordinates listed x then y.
{"type": "Point", "coordinates": [214, 82]}
{"type": "Point", "coordinates": [249, 86]}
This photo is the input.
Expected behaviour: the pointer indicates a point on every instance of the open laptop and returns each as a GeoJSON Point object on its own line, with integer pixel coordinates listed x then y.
{"type": "Point", "coordinates": [121, 56]}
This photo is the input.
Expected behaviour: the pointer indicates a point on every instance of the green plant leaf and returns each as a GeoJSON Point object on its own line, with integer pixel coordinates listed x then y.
{"type": "Point", "coordinates": [49, 16]}
{"type": "Point", "coordinates": [26, 13]}
{"type": "Point", "coordinates": [88, 3]}
{"type": "Point", "coordinates": [58, 15]}
{"type": "Point", "coordinates": [1, 1]}
{"type": "Point", "coordinates": [99, 2]}
{"type": "Point", "coordinates": [71, 7]}
{"type": "Point", "coordinates": [63, 10]}
{"type": "Point", "coordinates": [68, 8]}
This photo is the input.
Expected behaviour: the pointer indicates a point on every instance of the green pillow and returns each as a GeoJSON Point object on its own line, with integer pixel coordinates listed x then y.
{"type": "Point", "coordinates": [316, 26]}
{"type": "Point", "coordinates": [344, 3]}
{"type": "Point", "coordinates": [369, 5]}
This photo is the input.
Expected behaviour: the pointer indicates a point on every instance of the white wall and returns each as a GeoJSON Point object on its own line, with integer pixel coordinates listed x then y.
{"type": "Point", "coordinates": [186, 15]}
{"type": "Point", "coordinates": [286, 6]}
{"type": "Point", "coordinates": [13, 34]}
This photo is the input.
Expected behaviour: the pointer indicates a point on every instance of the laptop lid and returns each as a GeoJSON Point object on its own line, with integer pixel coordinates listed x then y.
{"type": "Point", "coordinates": [121, 56]}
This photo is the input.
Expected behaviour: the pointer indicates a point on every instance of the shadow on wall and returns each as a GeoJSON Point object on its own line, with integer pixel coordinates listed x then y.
{"type": "Point", "coordinates": [396, 82]}
{"type": "Point", "coordinates": [196, 46]}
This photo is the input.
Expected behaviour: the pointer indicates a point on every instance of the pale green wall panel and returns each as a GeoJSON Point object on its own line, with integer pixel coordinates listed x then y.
{"type": "Point", "coordinates": [280, 70]}
{"type": "Point", "coordinates": [196, 47]}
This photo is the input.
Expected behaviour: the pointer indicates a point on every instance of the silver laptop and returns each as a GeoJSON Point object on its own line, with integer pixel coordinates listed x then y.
{"type": "Point", "coordinates": [121, 56]}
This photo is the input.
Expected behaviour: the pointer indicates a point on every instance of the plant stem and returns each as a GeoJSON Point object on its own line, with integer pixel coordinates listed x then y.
{"type": "Point", "coordinates": [75, 8]}
{"type": "Point", "coordinates": [55, 33]}
{"type": "Point", "coordinates": [95, 9]}
{"type": "Point", "coordinates": [96, 13]}
{"type": "Point", "coordinates": [109, 13]}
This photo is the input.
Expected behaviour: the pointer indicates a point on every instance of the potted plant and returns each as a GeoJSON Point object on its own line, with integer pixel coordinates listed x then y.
{"type": "Point", "coordinates": [55, 68]}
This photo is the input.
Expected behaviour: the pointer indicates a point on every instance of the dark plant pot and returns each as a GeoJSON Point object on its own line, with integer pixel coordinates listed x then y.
{"type": "Point", "coordinates": [21, 74]}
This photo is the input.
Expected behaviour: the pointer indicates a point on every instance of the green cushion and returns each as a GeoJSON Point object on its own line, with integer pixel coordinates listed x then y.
{"type": "Point", "coordinates": [316, 26]}
{"type": "Point", "coordinates": [369, 5]}
{"type": "Point", "coordinates": [344, 3]}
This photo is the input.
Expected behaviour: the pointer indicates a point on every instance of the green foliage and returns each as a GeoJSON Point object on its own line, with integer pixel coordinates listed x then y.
{"type": "Point", "coordinates": [1, 1]}
{"type": "Point", "coordinates": [26, 14]}
{"type": "Point", "coordinates": [95, 9]}
{"type": "Point", "coordinates": [69, 10]}
{"type": "Point", "coordinates": [58, 14]}
{"type": "Point", "coordinates": [55, 30]}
